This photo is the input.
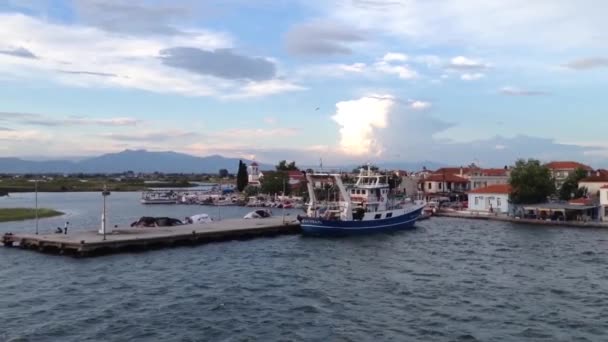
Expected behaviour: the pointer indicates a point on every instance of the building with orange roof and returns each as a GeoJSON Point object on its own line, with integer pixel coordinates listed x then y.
{"type": "Point", "coordinates": [490, 199]}
{"type": "Point", "coordinates": [443, 184]}
{"type": "Point", "coordinates": [594, 183]}
{"type": "Point", "coordinates": [481, 178]}
{"type": "Point", "coordinates": [561, 169]}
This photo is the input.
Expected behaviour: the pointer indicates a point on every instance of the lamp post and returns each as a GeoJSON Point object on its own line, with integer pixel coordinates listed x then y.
{"type": "Point", "coordinates": [105, 193]}
{"type": "Point", "coordinates": [283, 202]}
{"type": "Point", "coordinates": [36, 200]}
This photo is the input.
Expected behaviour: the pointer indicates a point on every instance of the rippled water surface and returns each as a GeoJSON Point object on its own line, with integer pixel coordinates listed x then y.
{"type": "Point", "coordinates": [448, 280]}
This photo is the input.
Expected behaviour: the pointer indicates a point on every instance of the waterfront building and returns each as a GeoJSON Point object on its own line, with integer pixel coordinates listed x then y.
{"type": "Point", "coordinates": [481, 178]}
{"type": "Point", "coordinates": [254, 175]}
{"type": "Point", "coordinates": [604, 203]}
{"type": "Point", "coordinates": [490, 199]}
{"type": "Point", "coordinates": [296, 180]}
{"type": "Point", "coordinates": [442, 183]}
{"type": "Point", "coordinates": [594, 183]}
{"type": "Point", "coordinates": [561, 169]}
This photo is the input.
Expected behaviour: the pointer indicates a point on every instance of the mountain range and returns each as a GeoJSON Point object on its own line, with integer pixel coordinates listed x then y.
{"type": "Point", "coordinates": [128, 160]}
{"type": "Point", "coordinates": [166, 162]}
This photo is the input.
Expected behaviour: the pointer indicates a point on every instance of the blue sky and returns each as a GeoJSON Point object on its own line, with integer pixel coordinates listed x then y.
{"type": "Point", "coordinates": [347, 80]}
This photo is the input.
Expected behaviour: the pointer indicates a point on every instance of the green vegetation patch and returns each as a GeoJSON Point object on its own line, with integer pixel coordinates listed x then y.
{"type": "Point", "coordinates": [20, 214]}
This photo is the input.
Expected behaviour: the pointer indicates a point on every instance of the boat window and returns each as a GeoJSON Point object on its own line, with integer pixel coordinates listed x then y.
{"type": "Point", "coordinates": [378, 216]}
{"type": "Point", "coordinates": [389, 215]}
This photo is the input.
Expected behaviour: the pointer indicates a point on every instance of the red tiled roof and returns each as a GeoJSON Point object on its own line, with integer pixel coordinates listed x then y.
{"type": "Point", "coordinates": [254, 164]}
{"type": "Point", "coordinates": [493, 172]}
{"type": "Point", "coordinates": [448, 177]}
{"type": "Point", "coordinates": [595, 179]}
{"type": "Point", "coordinates": [567, 165]}
{"type": "Point", "coordinates": [581, 201]}
{"type": "Point", "coordinates": [493, 189]}
{"type": "Point", "coordinates": [295, 174]}
{"type": "Point", "coordinates": [452, 170]}
{"type": "Point", "coordinates": [603, 172]}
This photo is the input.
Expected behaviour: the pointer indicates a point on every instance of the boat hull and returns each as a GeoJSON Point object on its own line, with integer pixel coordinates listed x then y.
{"type": "Point", "coordinates": [322, 227]}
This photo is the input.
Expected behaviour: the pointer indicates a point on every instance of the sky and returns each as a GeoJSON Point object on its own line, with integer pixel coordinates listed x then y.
{"type": "Point", "coordinates": [454, 81]}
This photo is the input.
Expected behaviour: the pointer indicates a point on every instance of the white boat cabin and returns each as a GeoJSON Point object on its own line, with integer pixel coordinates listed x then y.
{"type": "Point", "coordinates": [370, 192]}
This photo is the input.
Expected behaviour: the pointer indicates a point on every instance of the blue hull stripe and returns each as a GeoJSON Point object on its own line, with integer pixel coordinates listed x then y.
{"type": "Point", "coordinates": [314, 226]}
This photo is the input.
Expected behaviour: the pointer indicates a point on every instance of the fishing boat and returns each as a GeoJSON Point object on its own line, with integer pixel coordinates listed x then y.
{"type": "Point", "coordinates": [363, 208]}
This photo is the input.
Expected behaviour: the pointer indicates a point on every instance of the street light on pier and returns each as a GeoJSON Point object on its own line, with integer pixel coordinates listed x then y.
{"type": "Point", "coordinates": [36, 199]}
{"type": "Point", "coordinates": [105, 193]}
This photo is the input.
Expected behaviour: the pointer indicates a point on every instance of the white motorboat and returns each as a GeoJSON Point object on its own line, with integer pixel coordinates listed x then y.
{"type": "Point", "coordinates": [259, 213]}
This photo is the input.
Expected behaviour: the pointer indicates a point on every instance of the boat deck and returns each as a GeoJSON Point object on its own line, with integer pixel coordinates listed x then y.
{"type": "Point", "coordinates": [127, 239]}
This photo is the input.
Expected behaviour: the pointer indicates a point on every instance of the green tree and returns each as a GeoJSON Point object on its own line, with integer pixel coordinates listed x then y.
{"type": "Point", "coordinates": [223, 173]}
{"type": "Point", "coordinates": [394, 181]}
{"type": "Point", "coordinates": [242, 179]}
{"type": "Point", "coordinates": [274, 182]}
{"type": "Point", "coordinates": [251, 190]}
{"type": "Point", "coordinates": [570, 189]}
{"type": "Point", "coordinates": [531, 182]}
{"type": "Point", "coordinates": [285, 166]}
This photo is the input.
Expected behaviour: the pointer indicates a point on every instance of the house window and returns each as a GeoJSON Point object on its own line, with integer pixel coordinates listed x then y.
{"type": "Point", "coordinates": [378, 216]}
{"type": "Point", "coordinates": [498, 204]}
{"type": "Point", "coordinates": [476, 200]}
{"type": "Point", "coordinates": [389, 215]}
{"type": "Point", "coordinates": [440, 185]}
{"type": "Point", "coordinates": [430, 185]}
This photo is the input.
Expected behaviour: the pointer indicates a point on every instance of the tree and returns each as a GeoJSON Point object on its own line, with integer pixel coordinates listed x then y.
{"type": "Point", "coordinates": [570, 189]}
{"type": "Point", "coordinates": [531, 182]}
{"type": "Point", "coordinates": [394, 181]}
{"type": "Point", "coordinates": [273, 182]}
{"type": "Point", "coordinates": [223, 173]}
{"type": "Point", "coordinates": [242, 178]}
{"type": "Point", "coordinates": [285, 166]}
{"type": "Point", "coordinates": [251, 190]}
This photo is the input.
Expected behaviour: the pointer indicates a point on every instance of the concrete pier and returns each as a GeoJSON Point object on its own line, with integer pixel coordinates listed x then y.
{"type": "Point", "coordinates": [127, 239]}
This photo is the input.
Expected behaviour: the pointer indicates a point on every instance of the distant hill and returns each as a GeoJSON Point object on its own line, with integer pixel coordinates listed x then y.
{"type": "Point", "coordinates": [134, 160]}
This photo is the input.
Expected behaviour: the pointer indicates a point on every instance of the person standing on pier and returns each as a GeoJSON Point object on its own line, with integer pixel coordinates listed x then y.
{"type": "Point", "coordinates": [65, 229]}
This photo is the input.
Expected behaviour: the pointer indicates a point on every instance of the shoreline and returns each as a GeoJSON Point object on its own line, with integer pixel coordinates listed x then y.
{"type": "Point", "coordinates": [24, 214]}
{"type": "Point", "coordinates": [510, 219]}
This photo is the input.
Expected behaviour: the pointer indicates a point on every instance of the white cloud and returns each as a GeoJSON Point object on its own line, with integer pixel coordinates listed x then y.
{"type": "Point", "coordinates": [464, 63]}
{"type": "Point", "coordinates": [477, 22]}
{"type": "Point", "coordinates": [85, 56]}
{"type": "Point", "coordinates": [472, 76]}
{"type": "Point", "coordinates": [355, 67]}
{"type": "Point", "coordinates": [246, 134]}
{"type": "Point", "coordinates": [403, 71]}
{"type": "Point", "coordinates": [394, 56]}
{"type": "Point", "coordinates": [358, 120]}
{"type": "Point", "coordinates": [513, 91]}
{"type": "Point", "coordinates": [420, 105]}
{"type": "Point", "coordinates": [264, 88]}
{"type": "Point", "coordinates": [22, 135]}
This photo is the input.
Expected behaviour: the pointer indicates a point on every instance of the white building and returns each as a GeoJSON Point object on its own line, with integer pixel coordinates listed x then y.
{"type": "Point", "coordinates": [254, 175]}
{"type": "Point", "coordinates": [604, 203]}
{"type": "Point", "coordinates": [594, 183]}
{"type": "Point", "coordinates": [493, 198]}
{"type": "Point", "coordinates": [560, 170]}
{"type": "Point", "coordinates": [481, 178]}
